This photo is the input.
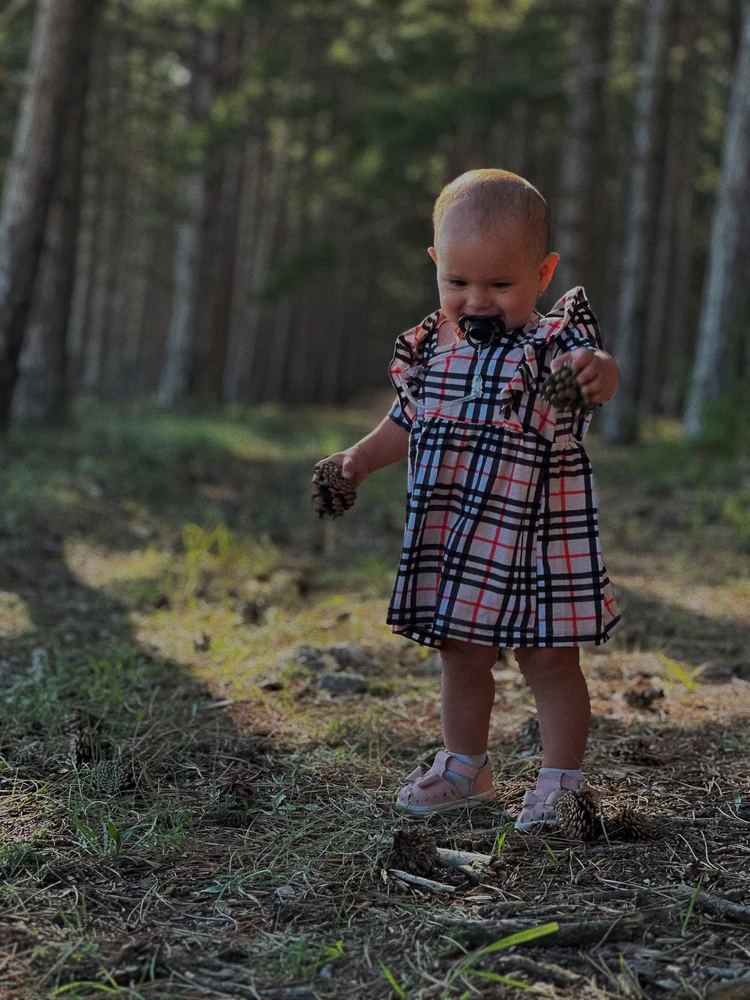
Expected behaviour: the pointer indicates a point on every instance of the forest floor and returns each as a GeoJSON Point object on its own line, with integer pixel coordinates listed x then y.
{"type": "Point", "coordinates": [190, 809]}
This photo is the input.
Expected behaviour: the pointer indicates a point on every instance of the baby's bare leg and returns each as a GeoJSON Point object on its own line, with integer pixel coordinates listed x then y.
{"type": "Point", "coordinates": [562, 702]}
{"type": "Point", "coordinates": [468, 691]}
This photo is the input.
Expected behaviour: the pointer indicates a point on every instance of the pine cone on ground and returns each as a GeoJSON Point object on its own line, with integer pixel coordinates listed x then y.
{"type": "Point", "coordinates": [230, 816]}
{"type": "Point", "coordinates": [413, 851]}
{"type": "Point", "coordinates": [530, 734]}
{"type": "Point", "coordinates": [629, 824]}
{"type": "Point", "coordinates": [578, 816]}
{"type": "Point", "coordinates": [561, 388]}
{"type": "Point", "coordinates": [109, 777]}
{"type": "Point", "coordinates": [332, 494]}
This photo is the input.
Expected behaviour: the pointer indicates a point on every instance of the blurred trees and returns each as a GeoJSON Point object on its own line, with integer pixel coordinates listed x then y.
{"type": "Point", "coordinates": [254, 208]}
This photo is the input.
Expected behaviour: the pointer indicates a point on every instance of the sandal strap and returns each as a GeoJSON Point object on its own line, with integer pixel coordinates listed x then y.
{"type": "Point", "coordinates": [443, 762]}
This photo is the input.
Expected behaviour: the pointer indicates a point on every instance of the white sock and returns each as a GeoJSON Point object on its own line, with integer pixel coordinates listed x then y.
{"type": "Point", "coordinates": [475, 760]}
{"type": "Point", "coordinates": [576, 774]}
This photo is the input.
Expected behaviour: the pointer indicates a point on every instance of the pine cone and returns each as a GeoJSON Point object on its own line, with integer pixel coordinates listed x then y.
{"type": "Point", "coordinates": [230, 816]}
{"type": "Point", "coordinates": [578, 816]}
{"type": "Point", "coordinates": [83, 747]}
{"type": "Point", "coordinates": [332, 494]}
{"type": "Point", "coordinates": [561, 388]}
{"type": "Point", "coordinates": [413, 851]}
{"type": "Point", "coordinates": [84, 739]}
{"type": "Point", "coordinates": [530, 734]}
{"type": "Point", "coordinates": [109, 777]}
{"type": "Point", "coordinates": [628, 824]}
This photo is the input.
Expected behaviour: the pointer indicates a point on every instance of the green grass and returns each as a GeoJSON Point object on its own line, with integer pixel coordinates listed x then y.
{"type": "Point", "coordinates": [133, 544]}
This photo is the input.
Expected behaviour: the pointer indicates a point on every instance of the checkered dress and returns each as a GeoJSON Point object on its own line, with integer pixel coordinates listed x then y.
{"type": "Point", "coordinates": [501, 545]}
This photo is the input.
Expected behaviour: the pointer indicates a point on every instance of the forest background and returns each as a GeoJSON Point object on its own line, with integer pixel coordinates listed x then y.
{"type": "Point", "coordinates": [228, 201]}
{"type": "Point", "coordinates": [213, 225]}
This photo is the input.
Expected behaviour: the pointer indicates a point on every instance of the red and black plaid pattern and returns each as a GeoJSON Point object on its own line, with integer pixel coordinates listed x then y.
{"type": "Point", "coordinates": [501, 545]}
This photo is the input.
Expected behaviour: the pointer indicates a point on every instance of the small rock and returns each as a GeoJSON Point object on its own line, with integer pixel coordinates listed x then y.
{"type": "Point", "coordinates": [350, 658]}
{"type": "Point", "coordinates": [39, 664]}
{"type": "Point", "coordinates": [285, 892]}
{"type": "Point", "coordinates": [311, 658]}
{"type": "Point", "coordinates": [643, 698]}
{"type": "Point", "coordinates": [715, 672]}
{"type": "Point", "coordinates": [203, 644]}
{"type": "Point", "coordinates": [343, 683]}
{"type": "Point", "coordinates": [326, 972]}
{"type": "Point", "coordinates": [430, 666]}
{"type": "Point", "coordinates": [271, 684]}
{"type": "Point", "coordinates": [252, 613]}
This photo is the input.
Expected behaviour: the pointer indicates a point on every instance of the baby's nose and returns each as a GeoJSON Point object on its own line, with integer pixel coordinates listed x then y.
{"type": "Point", "coordinates": [477, 301]}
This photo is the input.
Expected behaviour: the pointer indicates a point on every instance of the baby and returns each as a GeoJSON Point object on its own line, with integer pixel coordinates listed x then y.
{"type": "Point", "coordinates": [501, 546]}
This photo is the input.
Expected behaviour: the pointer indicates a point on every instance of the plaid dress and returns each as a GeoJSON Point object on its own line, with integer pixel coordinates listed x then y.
{"type": "Point", "coordinates": [501, 545]}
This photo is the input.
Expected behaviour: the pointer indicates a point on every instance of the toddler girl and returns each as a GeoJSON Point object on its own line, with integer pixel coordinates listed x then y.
{"type": "Point", "coordinates": [501, 547]}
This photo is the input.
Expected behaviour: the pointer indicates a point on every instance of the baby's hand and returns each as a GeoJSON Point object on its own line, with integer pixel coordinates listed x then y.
{"type": "Point", "coordinates": [352, 462]}
{"type": "Point", "coordinates": [596, 373]}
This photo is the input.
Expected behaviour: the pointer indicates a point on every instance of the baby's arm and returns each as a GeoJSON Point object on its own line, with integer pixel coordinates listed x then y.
{"type": "Point", "coordinates": [388, 443]}
{"type": "Point", "coordinates": [596, 372]}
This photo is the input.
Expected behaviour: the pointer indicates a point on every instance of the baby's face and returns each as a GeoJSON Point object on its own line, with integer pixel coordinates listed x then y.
{"type": "Point", "coordinates": [492, 273]}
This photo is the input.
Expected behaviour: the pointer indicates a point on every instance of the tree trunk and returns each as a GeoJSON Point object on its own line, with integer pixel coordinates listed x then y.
{"type": "Point", "coordinates": [178, 363]}
{"type": "Point", "coordinates": [40, 390]}
{"type": "Point", "coordinates": [621, 414]}
{"type": "Point", "coordinates": [729, 231]}
{"type": "Point", "coordinates": [111, 191]}
{"type": "Point", "coordinates": [244, 336]}
{"type": "Point", "coordinates": [680, 150]}
{"type": "Point", "coordinates": [237, 49]}
{"type": "Point", "coordinates": [32, 171]}
{"type": "Point", "coordinates": [332, 371]}
{"type": "Point", "coordinates": [577, 211]}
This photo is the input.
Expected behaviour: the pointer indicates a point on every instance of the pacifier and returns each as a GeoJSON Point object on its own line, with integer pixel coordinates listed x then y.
{"type": "Point", "coordinates": [481, 331]}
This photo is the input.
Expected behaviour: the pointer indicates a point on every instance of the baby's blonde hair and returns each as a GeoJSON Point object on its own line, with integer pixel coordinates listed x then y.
{"type": "Point", "coordinates": [490, 196]}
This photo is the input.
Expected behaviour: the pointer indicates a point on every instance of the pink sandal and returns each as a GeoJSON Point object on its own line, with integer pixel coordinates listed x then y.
{"type": "Point", "coordinates": [428, 790]}
{"type": "Point", "coordinates": [539, 803]}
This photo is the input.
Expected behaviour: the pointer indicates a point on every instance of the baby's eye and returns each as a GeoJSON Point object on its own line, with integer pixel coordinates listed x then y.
{"type": "Point", "coordinates": [501, 284]}
{"type": "Point", "coordinates": [457, 283]}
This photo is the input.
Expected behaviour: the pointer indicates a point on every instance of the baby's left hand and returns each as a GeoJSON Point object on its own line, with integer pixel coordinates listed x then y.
{"type": "Point", "coordinates": [596, 373]}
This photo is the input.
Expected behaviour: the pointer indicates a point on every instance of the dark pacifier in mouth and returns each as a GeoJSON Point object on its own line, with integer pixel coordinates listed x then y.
{"type": "Point", "coordinates": [481, 331]}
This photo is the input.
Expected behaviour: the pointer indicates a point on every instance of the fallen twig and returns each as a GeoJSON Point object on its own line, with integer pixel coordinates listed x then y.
{"type": "Point", "coordinates": [717, 905]}
{"type": "Point", "coordinates": [479, 932]}
{"type": "Point", "coordinates": [543, 970]}
{"type": "Point", "coordinates": [426, 883]}
{"type": "Point", "coordinates": [286, 993]}
{"type": "Point", "coordinates": [461, 859]}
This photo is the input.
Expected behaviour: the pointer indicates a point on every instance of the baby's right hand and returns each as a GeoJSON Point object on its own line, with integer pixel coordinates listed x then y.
{"type": "Point", "coordinates": [352, 462]}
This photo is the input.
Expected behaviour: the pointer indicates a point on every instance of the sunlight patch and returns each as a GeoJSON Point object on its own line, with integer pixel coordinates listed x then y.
{"type": "Point", "coordinates": [14, 616]}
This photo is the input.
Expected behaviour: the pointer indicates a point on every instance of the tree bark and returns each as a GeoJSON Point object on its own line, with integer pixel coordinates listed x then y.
{"type": "Point", "coordinates": [267, 214]}
{"type": "Point", "coordinates": [40, 392]}
{"type": "Point", "coordinates": [178, 362]}
{"type": "Point", "coordinates": [220, 238]}
{"type": "Point", "coordinates": [31, 174]}
{"type": "Point", "coordinates": [581, 150]}
{"type": "Point", "coordinates": [729, 231]}
{"type": "Point", "coordinates": [111, 192]}
{"type": "Point", "coordinates": [621, 414]}
{"type": "Point", "coordinates": [664, 307]}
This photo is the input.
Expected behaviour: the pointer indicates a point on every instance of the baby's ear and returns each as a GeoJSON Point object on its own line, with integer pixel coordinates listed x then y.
{"type": "Point", "coordinates": [433, 253]}
{"type": "Point", "coordinates": [547, 269]}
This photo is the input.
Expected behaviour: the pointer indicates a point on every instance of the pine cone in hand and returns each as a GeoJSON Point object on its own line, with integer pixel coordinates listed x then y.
{"type": "Point", "coordinates": [561, 388]}
{"type": "Point", "coordinates": [332, 494]}
{"type": "Point", "coordinates": [578, 816]}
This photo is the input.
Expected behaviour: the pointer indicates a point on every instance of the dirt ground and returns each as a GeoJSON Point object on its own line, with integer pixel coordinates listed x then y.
{"type": "Point", "coordinates": [204, 720]}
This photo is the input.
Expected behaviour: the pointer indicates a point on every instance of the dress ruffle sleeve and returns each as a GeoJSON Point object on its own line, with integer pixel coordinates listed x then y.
{"type": "Point", "coordinates": [569, 324]}
{"type": "Point", "coordinates": [406, 368]}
